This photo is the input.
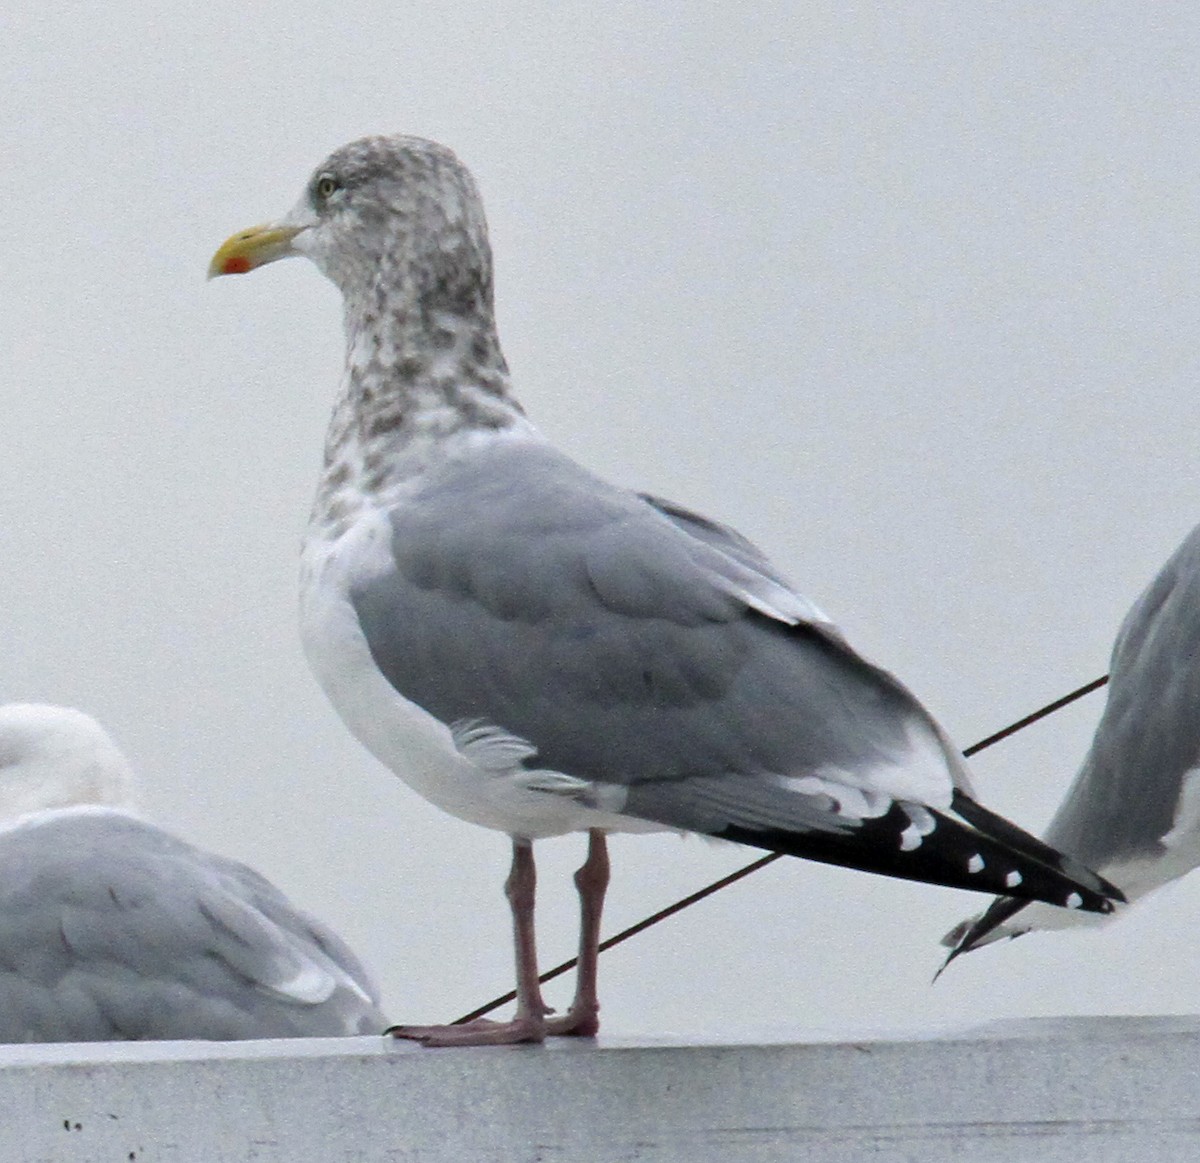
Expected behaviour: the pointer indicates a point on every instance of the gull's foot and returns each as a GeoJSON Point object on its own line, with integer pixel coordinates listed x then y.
{"type": "Point", "coordinates": [480, 1032]}
{"type": "Point", "coordinates": [575, 1023]}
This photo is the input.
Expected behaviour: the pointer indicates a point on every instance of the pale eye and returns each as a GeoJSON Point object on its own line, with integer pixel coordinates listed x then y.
{"type": "Point", "coordinates": [327, 186]}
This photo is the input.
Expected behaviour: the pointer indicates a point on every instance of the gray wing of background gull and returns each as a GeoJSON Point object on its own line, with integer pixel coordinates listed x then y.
{"type": "Point", "coordinates": [653, 656]}
{"type": "Point", "coordinates": [111, 929]}
{"type": "Point", "coordinates": [1133, 810]}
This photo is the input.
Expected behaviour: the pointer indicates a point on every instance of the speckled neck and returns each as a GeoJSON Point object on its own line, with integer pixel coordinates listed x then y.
{"type": "Point", "coordinates": [404, 238]}
{"type": "Point", "coordinates": [418, 373]}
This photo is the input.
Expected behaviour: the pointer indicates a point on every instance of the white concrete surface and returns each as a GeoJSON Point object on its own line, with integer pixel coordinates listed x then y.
{"type": "Point", "coordinates": [1096, 1089]}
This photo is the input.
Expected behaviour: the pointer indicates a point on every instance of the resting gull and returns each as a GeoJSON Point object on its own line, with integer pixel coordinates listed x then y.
{"type": "Point", "coordinates": [112, 929]}
{"type": "Point", "coordinates": [540, 652]}
{"type": "Point", "coordinates": [1133, 810]}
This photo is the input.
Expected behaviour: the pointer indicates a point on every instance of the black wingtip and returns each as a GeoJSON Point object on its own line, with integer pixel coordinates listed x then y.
{"type": "Point", "coordinates": [942, 968]}
{"type": "Point", "coordinates": [972, 933]}
{"type": "Point", "coordinates": [1103, 894]}
{"type": "Point", "coordinates": [980, 852]}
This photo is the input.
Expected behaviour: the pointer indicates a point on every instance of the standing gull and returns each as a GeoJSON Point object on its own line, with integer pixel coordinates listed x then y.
{"type": "Point", "coordinates": [537, 651]}
{"type": "Point", "coordinates": [1133, 810]}
{"type": "Point", "coordinates": [112, 929]}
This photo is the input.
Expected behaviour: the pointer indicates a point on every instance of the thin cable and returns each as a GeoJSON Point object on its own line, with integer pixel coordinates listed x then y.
{"type": "Point", "coordinates": [1048, 709]}
{"type": "Point", "coordinates": [632, 931]}
{"type": "Point", "coordinates": [763, 861]}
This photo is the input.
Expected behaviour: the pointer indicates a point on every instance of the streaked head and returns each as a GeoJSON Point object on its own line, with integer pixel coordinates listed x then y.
{"type": "Point", "coordinates": [399, 205]}
{"type": "Point", "coordinates": [53, 757]}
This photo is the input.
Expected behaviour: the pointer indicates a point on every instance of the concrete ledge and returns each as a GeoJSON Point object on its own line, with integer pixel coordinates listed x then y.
{"type": "Point", "coordinates": [1099, 1089]}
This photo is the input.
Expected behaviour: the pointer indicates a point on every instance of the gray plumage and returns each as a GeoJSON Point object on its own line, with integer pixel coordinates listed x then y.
{"type": "Point", "coordinates": [590, 623]}
{"type": "Point", "coordinates": [113, 929]}
{"type": "Point", "coordinates": [530, 594]}
{"type": "Point", "coordinates": [538, 651]}
{"type": "Point", "coordinates": [1133, 809]}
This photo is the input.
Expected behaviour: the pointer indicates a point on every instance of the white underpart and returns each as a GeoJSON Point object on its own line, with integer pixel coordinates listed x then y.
{"type": "Point", "coordinates": [469, 780]}
{"type": "Point", "coordinates": [1185, 828]}
{"type": "Point", "coordinates": [1135, 878]}
{"type": "Point", "coordinates": [1038, 915]}
{"type": "Point", "coordinates": [1143, 875]}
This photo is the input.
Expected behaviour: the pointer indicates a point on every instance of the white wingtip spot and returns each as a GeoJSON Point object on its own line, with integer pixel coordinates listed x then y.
{"type": "Point", "coordinates": [1013, 879]}
{"type": "Point", "coordinates": [311, 984]}
{"type": "Point", "coordinates": [975, 864]}
{"type": "Point", "coordinates": [1074, 901]}
{"type": "Point", "coordinates": [922, 823]}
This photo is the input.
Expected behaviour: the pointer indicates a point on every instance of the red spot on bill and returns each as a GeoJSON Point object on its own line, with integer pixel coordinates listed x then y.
{"type": "Point", "coordinates": [235, 265]}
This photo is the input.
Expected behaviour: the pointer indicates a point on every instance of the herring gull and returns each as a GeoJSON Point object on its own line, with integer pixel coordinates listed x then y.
{"type": "Point", "coordinates": [112, 929]}
{"type": "Point", "coordinates": [537, 651]}
{"type": "Point", "coordinates": [1133, 810]}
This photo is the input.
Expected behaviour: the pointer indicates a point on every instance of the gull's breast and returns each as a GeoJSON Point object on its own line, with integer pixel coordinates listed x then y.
{"type": "Point", "coordinates": [417, 746]}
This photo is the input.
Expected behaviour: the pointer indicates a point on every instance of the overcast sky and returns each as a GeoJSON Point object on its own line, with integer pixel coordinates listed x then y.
{"type": "Point", "coordinates": [906, 293]}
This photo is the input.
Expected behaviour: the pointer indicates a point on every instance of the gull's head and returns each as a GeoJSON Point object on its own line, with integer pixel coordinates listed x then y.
{"type": "Point", "coordinates": [399, 213]}
{"type": "Point", "coordinates": [55, 757]}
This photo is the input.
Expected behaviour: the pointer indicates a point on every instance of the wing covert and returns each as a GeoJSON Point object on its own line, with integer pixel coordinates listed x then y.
{"type": "Point", "coordinates": [624, 646]}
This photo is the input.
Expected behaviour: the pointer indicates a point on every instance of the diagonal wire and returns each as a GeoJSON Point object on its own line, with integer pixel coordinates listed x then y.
{"type": "Point", "coordinates": [763, 861]}
{"type": "Point", "coordinates": [1048, 709]}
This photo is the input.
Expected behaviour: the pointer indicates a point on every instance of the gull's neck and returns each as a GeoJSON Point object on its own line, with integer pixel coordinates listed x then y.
{"type": "Point", "coordinates": [421, 377]}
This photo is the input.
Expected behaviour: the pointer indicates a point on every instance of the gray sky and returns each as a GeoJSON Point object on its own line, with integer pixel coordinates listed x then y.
{"type": "Point", "coordinates": [906, 293]}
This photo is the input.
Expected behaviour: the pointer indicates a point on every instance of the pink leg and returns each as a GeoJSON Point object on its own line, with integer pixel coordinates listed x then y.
{"type": "Point", "coordinates": [582, 1020]}
{"type": "Point", "coordinates": [528, 1024]}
